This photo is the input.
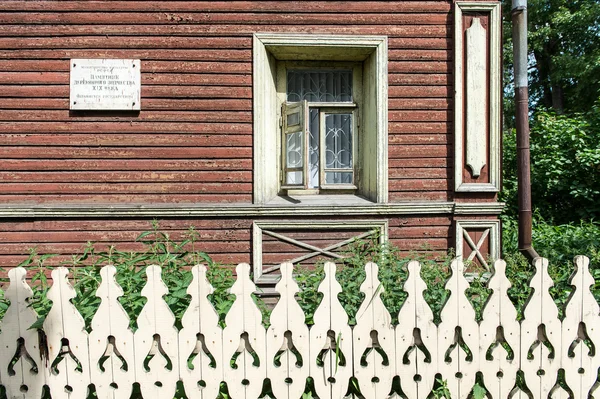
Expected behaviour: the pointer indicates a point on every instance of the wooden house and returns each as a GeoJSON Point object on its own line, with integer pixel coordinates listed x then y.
{"type": "Point", "coordinates": [279, 130]}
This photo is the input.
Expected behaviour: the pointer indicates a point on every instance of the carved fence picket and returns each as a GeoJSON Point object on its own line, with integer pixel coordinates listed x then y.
{"type": "Point", "coordinates": [499, 347]}
{"type": "Point", "coordinates": [156, 341]}
{"type": "Point", "coordinates": [458, 336]}
{"type": "Point", "coordinates": [26, 377]}
{"type": "Point", "coordinates": [200, 339]}
{"type": "Point", "coordinates": [373, 337]}
{"type": "Point", "coordinates": [540, 335]}
{"type": "Point", "coordinates": [243, 354]}
{"type": "Point", "coordinates": [68, 371]}
{"type": "Point", "coordinates": [244, 340]}
{"type": "Point", "coordinates": [330, 341]}
{"type": "Point", "coordinates": [111, 342]}
{"type": "Point", "coordinates": [416, 338]}
{"type": "Point", "coordinates": [581, 323]}
{"type": "Point", "coordinates": [287, 337]}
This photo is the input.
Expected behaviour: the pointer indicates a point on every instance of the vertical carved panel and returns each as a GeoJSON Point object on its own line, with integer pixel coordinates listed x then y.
{"type": "Point", "coordinates": [476, 97]}
{"type": "Point", "coordinates": [477, 102]}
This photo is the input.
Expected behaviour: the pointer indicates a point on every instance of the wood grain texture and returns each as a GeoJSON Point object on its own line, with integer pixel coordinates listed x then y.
{"type": "Point", "coordinates": [223, 239]}
{"type": "Point", "coordinates": [430, 35]}
{"type": "Point", "coordinates": [226, 6]}
{"type": "Point", "coordinates": [331, 17]}
{"type": "Point", "coordinates": [196, 94]}
{"type": "Point", "coordinates": [192, 141]}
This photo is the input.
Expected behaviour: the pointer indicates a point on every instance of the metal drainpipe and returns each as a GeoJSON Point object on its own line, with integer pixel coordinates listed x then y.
{"type": "Point", "coordinates": [519, 32]}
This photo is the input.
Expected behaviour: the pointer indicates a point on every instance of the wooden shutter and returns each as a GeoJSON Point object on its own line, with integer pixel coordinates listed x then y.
{"type": "Point", "coordinates": [293, 144]}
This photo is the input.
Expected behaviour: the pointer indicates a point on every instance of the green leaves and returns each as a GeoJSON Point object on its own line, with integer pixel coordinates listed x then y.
{"type": "Point", "coordinates": [565, 167]}
{"type": "Point", "coordinates": [564, 44]}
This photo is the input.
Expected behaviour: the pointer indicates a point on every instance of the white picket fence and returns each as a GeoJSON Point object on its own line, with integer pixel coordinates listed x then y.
{"type": "Point", "coordinates": [157, 355]}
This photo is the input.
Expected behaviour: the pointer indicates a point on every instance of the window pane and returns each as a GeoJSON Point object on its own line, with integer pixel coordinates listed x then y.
{"type": "Point", "coordinates": [293, 119]}
{"type": "Point", "coordinates": [293, 155]}
{"type": "Point", "coordinates": [313, 149]}
{"type": "Point", "coordinates": [319, 86]}
{"type": "Point", "coordinates": [338, 177]}
{"type": "Point", "coordinates": [338, 141]}
{"type": "Point", "coordinates": [294, 177]}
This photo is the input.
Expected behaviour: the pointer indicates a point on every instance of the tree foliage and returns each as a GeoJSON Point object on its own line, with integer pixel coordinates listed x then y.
{"type": "Point", "coordinates": [564, 40]}
{"type": "Point", "coordinates": [564, 87]}
{"type": "Point", "coordinates": [564, 54]}
{"type": "Point", "coordinates": [565, 166]}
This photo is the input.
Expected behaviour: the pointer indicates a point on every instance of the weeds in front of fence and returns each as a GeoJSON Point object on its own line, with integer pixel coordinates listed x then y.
{"type": "Point", "coordinates": [176, 257]}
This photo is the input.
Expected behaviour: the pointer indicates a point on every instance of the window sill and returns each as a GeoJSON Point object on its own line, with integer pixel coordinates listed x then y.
{"type": "Point", "coordinates": [320, 199]}
{"type": "Point", "coordinates": [327, 206]}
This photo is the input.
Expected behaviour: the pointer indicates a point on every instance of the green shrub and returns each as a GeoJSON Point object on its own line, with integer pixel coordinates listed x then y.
{"type": "Point", "coordinates": [558, 243]}
{"type": "Point", "coordinates": [565, 166]}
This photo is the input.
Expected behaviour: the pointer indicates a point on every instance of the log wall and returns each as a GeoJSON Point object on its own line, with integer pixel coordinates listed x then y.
{"type": "Point", "coordinates": [192, 141]}
{"type": "Point", "coordinates": [226, 240]}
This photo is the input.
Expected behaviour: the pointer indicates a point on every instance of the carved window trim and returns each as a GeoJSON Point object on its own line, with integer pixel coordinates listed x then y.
{"type": "Point", "coordinates": [269, 50]}
{"type": "Point", "coordinates": [379, 227]}
{"type": "Point", "coordinates": [495, 79]}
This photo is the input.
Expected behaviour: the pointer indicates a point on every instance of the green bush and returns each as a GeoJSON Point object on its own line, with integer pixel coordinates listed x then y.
{"type": "Point", "coordinates": [559, 244]}
{"type": "Point", "coordinates": [565, 166]}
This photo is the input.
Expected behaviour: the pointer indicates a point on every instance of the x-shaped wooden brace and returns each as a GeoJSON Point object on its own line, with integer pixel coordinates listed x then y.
{"type": "Point", "coordinates": [316, 250]}
{"type": "Point", "coordinates": [477, 247]}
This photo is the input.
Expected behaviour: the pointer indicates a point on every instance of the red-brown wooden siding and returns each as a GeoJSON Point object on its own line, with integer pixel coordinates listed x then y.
{"type": "Point", "coordinates": [192, 141]}
{"type": "Point", "coordinates": [226, 240]}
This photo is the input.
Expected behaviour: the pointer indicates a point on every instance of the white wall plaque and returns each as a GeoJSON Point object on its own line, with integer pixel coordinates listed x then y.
{"type": "Point", "coordinates": [105, 84]}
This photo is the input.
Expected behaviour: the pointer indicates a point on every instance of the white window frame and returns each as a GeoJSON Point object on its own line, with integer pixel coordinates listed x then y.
{"type": "Point", "coordinates": [353, 107]}
{"type": "Point", "coordinates": [325, 108]}
{"type": "Point", "coordinates": [269, 50]}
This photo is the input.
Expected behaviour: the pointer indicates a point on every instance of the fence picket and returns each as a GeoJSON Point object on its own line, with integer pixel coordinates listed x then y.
{"type": "Point", "coordinates": [287, 336]}
{"type": "Point", "coordinates": [330, 353]}
{"type": "Point", "coordinates": [199, 339]}
{"type": "Point", "coordinates": [499, 334]}
{"type": "Point", "coordinates": [244, 353]}
{"type": "Point", "coordinates": [111, 342]}
{"type": "Point", "coordinates": [244, 340]}
{"type": "Point", "coordinates": [581, 323]}
{"type": "Point", "coordinates": [373, 337]}
{"type": "Point", "coordinates": [68, 375]}
{"type": "Point", "coordinates": [156, 341]}
{"type": "Point", "coordinates": [416, 338]}
{"type": "Point", "coordinates": [19, 343]}
{"type": "Point", "coordinates": [458, 336]}
{"type": "Point", "coordinates": [539, 328]}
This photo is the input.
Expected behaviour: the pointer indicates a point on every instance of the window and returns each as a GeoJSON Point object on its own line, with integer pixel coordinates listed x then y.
{"type": "Point", "coordinates": [320, 116]}
{"type": "Point", "coordinates": [319, 129]}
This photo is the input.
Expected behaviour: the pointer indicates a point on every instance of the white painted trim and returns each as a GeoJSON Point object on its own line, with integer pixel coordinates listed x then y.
{"type": "Point", "coordinates": [495, 99]}
{"type": "Point", "coordinates": [494, 236]}
{"type": "Point", "coordinates": [282, 225]}
{"type": "Point", "coordinates": [478, 208]}
{"type": "Point", "coordinates": [247, 210]}
{"type": "Point", "coordinates": [268, 48]}
{"type": "Point", "coordinates": [320, 40]}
